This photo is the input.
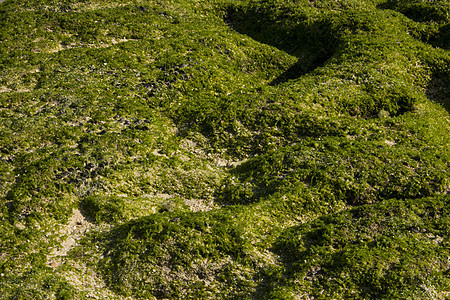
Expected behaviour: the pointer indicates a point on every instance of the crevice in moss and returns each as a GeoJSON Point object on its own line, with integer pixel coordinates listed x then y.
{"type": "Point", "coordinates": [438, 89]}
{"type": "Point", "coordinates": [312, 42]}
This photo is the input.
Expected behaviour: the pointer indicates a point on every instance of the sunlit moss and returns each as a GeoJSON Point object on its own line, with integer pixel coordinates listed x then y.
{"type": "Point", "coordinates": [224, 149]}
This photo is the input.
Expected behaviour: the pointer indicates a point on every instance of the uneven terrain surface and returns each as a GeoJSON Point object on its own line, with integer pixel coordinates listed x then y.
{"type": "Point", "coordinates": [224, 149]}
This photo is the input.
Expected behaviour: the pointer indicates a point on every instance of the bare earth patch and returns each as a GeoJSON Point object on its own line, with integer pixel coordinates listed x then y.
{"type": "Point", "coordinates": [77, 226]}
{"type": "Point", "coordinates": [80, 274]}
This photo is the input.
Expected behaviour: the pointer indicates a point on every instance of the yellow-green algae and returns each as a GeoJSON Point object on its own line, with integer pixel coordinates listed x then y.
{"type": "Point", "coordinates": [225, 149]}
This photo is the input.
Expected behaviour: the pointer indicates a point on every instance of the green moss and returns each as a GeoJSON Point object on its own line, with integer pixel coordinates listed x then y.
{"type": "Point", "coordinates": [397, 249]}
{"type": "Point", "coordinates": [104, 209]}
{"type": "Point", "coordinates": [208, 252]}
{"type": "Point", "coordinates": [198, 137]}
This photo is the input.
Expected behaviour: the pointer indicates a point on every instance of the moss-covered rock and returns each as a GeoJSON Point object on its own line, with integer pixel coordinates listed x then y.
{"type": "Point", "coordinates": [224, 149]}
{"type": "Point", "coordinates": [393, 250]}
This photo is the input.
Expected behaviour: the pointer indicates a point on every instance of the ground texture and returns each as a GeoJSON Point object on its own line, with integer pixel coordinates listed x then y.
{"type": "Point", "coordinates": [225, 149]}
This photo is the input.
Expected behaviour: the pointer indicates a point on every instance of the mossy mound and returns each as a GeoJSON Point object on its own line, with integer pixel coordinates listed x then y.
{"type": "Point", "coordinates": [224, 149]}
{"type": "Point", "coordinates": [393, 250]}
{"type": "Point", "coordinates": [180, 256]}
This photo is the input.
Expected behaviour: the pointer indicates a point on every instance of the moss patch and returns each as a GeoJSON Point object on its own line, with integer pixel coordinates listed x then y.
{"type": "Point", "coordinates": [225, 149]}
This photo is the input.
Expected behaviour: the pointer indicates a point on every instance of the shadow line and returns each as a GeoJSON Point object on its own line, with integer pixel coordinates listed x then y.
{"type": "Point", "coordinates": [313, 43]}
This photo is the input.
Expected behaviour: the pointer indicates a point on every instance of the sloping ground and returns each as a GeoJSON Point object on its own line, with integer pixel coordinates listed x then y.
{"type": "Point", "coordinates": [224, 149]}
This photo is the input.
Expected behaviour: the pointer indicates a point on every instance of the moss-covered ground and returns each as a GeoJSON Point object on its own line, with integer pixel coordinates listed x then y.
{"type": "Point", "coordinates": [224, 149]}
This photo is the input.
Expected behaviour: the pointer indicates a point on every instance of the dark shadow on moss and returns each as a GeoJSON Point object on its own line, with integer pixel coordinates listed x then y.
{"type": "Point", "coordinates": [442, 40]}
{"type": "Point", "coordinates": [313, 43]}
{"type": "Point", "coordinates": [420, 11]}
{"type": "Point", "coordinates": [102, 209]}
{"type": "Point", "coordinates": [438, 89]}
{"type": "Point", "coordinates": [439, 38]}
{"type": "Point", "coordinates": [435, 15]}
